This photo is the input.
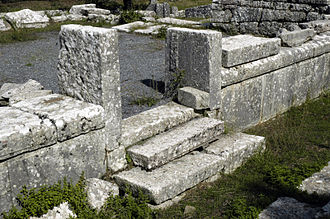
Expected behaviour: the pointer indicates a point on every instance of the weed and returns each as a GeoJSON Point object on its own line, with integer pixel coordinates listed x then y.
{"type": "Point", "coordinates": [175, 83]}
{"type": "Point", "coordinates": [161, 33]}
{"type": "Point", "coordinates": [28, 64]}
{"type": "Point", "coordinates": [129, 17]}
{"type": "Point", "coordinates": [149, 101]}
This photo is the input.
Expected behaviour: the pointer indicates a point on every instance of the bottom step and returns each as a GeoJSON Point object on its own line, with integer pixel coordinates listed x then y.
{"type": "Point", "coordinates": [168, 181]}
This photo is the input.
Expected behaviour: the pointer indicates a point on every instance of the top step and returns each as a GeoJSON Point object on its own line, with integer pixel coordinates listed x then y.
{"type": "Point", "coordinates": [154, 121]}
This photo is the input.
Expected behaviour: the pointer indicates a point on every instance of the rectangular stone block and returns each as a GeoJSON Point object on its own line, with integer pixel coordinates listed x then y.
{"type": "Point", "coordinates": [117, 159]}
{"type": "Point", "coordinates": [296, 37]}
{"type": "Point", "coordinates": [176, 142]}
{"type": "Point", "coordinates": [245, 48]}
{"type": "Point", "coordinates": [171, 179]}
{"type": "Point", "coordinates": [193, 58]}
{"type": "Point", "coordinates": [193, 98]}
{"type": "Point", "coordinates": [70, 117]}
{"type": "Point", "coordinates": [27, 18]}
{"type": "Point", "coordinates": [154, 121]}
{"type": "Point", "coordinates": [88, 70]}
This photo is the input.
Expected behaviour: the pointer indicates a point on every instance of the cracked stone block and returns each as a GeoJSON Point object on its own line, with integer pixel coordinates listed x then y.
{"type": "Point", "coordinates": [23, 131]}
{"type": "Point", "coordinates": [70, 117]}
{"type": "Point", "coordinates": [170, 180]}
{"type": "Point", "coordinates": [193, 98]}
{"type": "Point", "coordinates": [245, 48]}
{"type": "Point", "coordinates": [27, 18]}
{"type": "Point", "coordinates": [296, 37]}
{"type": "Point", "coordinates": [193, 59]}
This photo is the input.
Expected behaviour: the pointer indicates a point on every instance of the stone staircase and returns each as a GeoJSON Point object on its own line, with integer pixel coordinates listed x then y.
{"type": "Point", "coordinates": [178, 150]}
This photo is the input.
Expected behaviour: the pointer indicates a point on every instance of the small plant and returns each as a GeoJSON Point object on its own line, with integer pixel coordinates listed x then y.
{"type": "Point", "coordinates": [175, 83]}
{"type": "Point", "coordinates": [161, 33]}
{"type": "Point", "coordinates": [129, 17]}
{"type": "Point", "coordinates": [149, 101]}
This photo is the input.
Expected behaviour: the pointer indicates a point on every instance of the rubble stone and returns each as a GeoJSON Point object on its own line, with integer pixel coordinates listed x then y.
{"type": "Point", "coordinates": [193, 98]}
{"type": "Point", "coordinates": [27, 18]}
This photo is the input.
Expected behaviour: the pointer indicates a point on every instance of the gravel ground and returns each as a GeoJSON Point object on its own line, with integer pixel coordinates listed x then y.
{"type": "Point", "coordinates": [141, 57]}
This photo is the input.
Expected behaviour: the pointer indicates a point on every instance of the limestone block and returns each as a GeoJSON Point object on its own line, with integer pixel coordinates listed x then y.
{"type": "Point", "coordinates": [193, 98]}
{"type": "Point", "coordinates": [193, 58]}
{"type": "Point", "coordinates": [297, 37]}
{"type": "Point", "coordinates": [60, 18]}
{"type": "Point", "coordinates": [8, 90]}
{"type": "Point", "coordinates": [175, 11]}
{"type": "Point", "coordinates": [147, 13]}
{"type": "Point", "coordinates": [176, 142]}
{"type": "Point", "coordinates": [32, 94]}
{"type": "Point", "coordinates": [98, 11]}
{"type": "Point", "coordinates": [4, 26]}
{"type": "Point", "coordinates": [175, 21]}
{"type": "Point", "coordinates": [52, 13]}
{"type": "Point", "coordinates": [88, 70]}
{"type": "Point", "coordinates": [128, 27]}
{"type": "Point", "coordinates": [236, 149]}
{"type": "Point", "coordinates": [5, 196]}
{"type": "Point", "coordinates": [246, 14]}
{"type": "Point", "coordinates": [171, 179]}
{"type": "Point", "coordinates": [27, 18]}
{"type": "Point", "coordinates": [75, 17]}
{"type": "Point", "coordinates": [269, 28]}
{"type": "Point", "coordinates": [77, 9]}
{"type": "Point", "coordinates": [150, 30]}
{"type": "Point", "coordinates": [117, 159]}
{"type": "Point", "coordinates": [21, 131]}
{"type": "Point", "coordinates": [99, 190]}
{"type": "Point", "coordinates": [154, 121]}
{"type": "Point", "coordinates": [63, 211]}
{"type": "Point", "coordinates": [245, 48]}
{"type": "Point", "coordinates": [71, 117]}
{"type": "Point", "coordinates": [319, 26]}
{"type": "Point", "coordinates": [97, 17]}
{"type": "Point", "coordinates": [149, 19]}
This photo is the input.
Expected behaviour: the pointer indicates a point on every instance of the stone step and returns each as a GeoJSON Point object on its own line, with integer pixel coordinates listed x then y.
{"type": "Point", "coordinates": [241, 49]}
{"type": "Point", "coordinates": [171, 179]}
{"type": "Point", "coordinates": [176, 142]}
{"type": "Point", "coordinates": [154, 121]}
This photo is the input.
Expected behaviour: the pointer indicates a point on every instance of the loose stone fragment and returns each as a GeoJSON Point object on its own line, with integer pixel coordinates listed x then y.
{"type": "Point", "coordinates": [193, 98]}
{"type": "Point", "coordinates": [4, 26]}
{"type": "Point", "coordinates": [128, 27]}
{"type": "Point", "coordinates": [61, 212]}
{"type": "Point", "coordinates": [297, 37]}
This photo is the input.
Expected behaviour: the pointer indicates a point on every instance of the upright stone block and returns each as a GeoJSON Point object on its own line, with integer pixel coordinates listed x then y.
{"type": "Point", "coordinates": [88, 70]}
{"type": "Point", "coordinates": [193, 58]}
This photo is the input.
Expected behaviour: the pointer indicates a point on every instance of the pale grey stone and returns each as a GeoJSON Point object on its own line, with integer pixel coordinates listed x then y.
{"type": "Point", "coordinates": [150, 30]}
{"type": "Point", "coordinates": [171, 179]}
{"type": "Point", "coordinates": [193, 98]}
{"type": "Point", "coordinates": [176, 142]}
{"type": "Point", "coordinates": [22, 131]}
{"type": "Point", "coordinates": [77, 9]}
{"type": "Point", "coordinates": [98, 11]}
{"type": "Point", "coordinates": [319, 26]}
{"type": "Point", "coordinates": [116, 159]}
{"type": "Point", "coordinates": [27, 18]}
{"type": "Point", "coordinates": [245, 14]}
{"type": "Point", "coordinates": [297, 37]}
{"type": "Point", "coordinates": [88, 70]}
{"type": "Point", "coordinates": [181, 13]}
{"type": "Point", "coordinates": [249, 27]}
{"type": "Point", "coordinates": [4, 26]}
{"type": "Point", "coordinates": [99, 190]}
{"type": "Point", "coordinates": [202, 11]}
{"type": "Point", "coordinates": [61, 212]}
{"type": "Point", "coordinates": [149, 19]}
{"type": "Point", "coordinates": [175, 21]}
{"type": "Point", "coordinates": [285, 207]}
{"type": "Point", "coordinates": [134, 25]}
{"type": "Point", "coordinates": [60, 18]}
{"type": "Point", "coordinates": [75, 17]}
{"type": "Point", "coordinates": [168, 203]}
{"type": "Point", "coordinates": [319, 182]}
{"type": "Point", "coordinates": [97, 17]}
{"type": "Point", "coordinates": [71, 117]}
{"type": "Point", "coordinates": [194, 58]}
{"type": "Point", "coordinates": [245, 48]}
{"type": "Point", "coordinates": [5, 196]}
{"type": "Point", "coordinates": [189, 210]}
{"type": "Point", "coordinates": [31, 94]}
{"type": "Point", "coordinates": [175, 11]}
{"type": "Point", "coordinates": [236, 148]}
{"type": "Point", "coordinates": [147, 13]}
{"type": "Point", "coordinates": [154, 121]}
{"type": "Point", "coordinates": [52, 13]}
{"type": "Point", "coordinates": [16, 90]}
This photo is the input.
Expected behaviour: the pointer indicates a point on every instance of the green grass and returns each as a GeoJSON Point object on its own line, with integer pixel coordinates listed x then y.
{"type": "Point", "coordinates": [297, 146]}
{"type": "Point", "coordinates": [183, 4]}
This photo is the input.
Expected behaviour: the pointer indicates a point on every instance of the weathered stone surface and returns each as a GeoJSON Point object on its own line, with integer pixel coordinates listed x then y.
{"type": "Point", "coordinates": [4, 26]}
{"type": "Point", "coordinates": [162, 9]}
{"type": "Point", "coordinates": [32, 94]}
{"type": "Point", "coordinates": [61, 212]}
{"type": "Point", "coordinates": [149, 19]}
{"type": "Point", "coordinates": [154, 121]}
{"type": "Point", "coordinates": [99, 190]}
{"type": "Point", "coordinates": [150, 30]}
{"type": "Point", "coordinates": [77, 9]}
{"type": "Point", "coordinates": [116, 159]}
{"type": "Point", "coordinates": [319, 182]}
{"type": "Point", "coordinates": [319, 26]}
{"type": "Point", "coordinates": [297, 37]}
{"type": "Point", "coordinates": [99, 11]}
{"type": "Point", "coordinates": [173, 178]}
{"type": "Point", "coordinates": [71, 117]}
{"type": "Point", "coordinates": [245, 48]}
{"type": "Point", "coordinates": [9, 90]}
{"type": "Point", "coordinates": [88, 70]}
{"type": "Point", "coordinates": [75, 17]}
{"type": "Point", "coordinates": [175, 21]}
{"type": "Point", "coordinates": [27, 18]}
{"type": "Point", "coordinates": [203, 11]}
{"type": "Point", "coordinates": [60, 18]}
{"type": "Point", "coordinates": [176, 142]}
{"type": "Point", "coordinates": [236, 148]}
{"type": "Point", "coordinates": [194, 58]}
{"type": "Point", "coordinates": [21, 131]}
{"type": "Point", "coordinates": [193, 98]}
{"type": "Point", "coordinates": [47, 165]}
{"type": "Point", "coordinates": [285, 207]}
{"type": "Point", "coordinates": [130, 26]}
{"type": "Point", "coordinates": [174, 11]}
{"type": "Point", "coordinates": [52, 13]}
{"type": "Point", "coordinates": [147, 13]}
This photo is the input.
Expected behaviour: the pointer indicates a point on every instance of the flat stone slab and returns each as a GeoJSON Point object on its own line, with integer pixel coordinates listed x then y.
{"type": "Point", "coordinates": [193, 98]}
{"type": "Point", "coordinates": [236, 149]}
{"type": "Point", "coordinates": [131, 26]}
{"type": "Point", "coordinates": [176, 142]}
{"type": "Point", "coordinates": [171, 179]}
{"type": "Point", "coordinates": [175, 21]}
{"type": "Point", "coordinates": [27, 18]}
{"type": "Point", "coordinates": [319, 182]}
{"type": "Point", "coordinates": [296, 37]}
{"type": "Point", "coordinates": [245, 48]}
{"type": "Point", "coordinates": [154, 121]}
{"type": "Point", "coordinates": [22, 131]}
{"type": "Point", "coordinates": [70, 116]}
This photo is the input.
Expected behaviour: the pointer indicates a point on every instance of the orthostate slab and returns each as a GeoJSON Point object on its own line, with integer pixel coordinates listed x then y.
{"type": "Point", "coordinates": [193, 98]}
{"type": "Point", "coordinates": [319, 182]}
{"type": "Point", "coordinates": [22, 131]}
{"type": "Point", "coordinates": [71, 117]}
{"type": "Point", "coordinates": [171, 179]}
{"type": "Point", "coordinates": [176, 142]}
{"type": "Point", "coordinates": [193, 57]}
{"type": "Point", "coordinates": [154, 121]}
{"type": "Point", "coordinates": [296, 37]}
{"type": "Point", "coordinates": [27, 18]}
{"type": "Point", "coordinates": [245, 48]}
{"type": "Point", "coordinates": [236, 149]}
{"type": "Point", "coordinates": [88, 70]}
